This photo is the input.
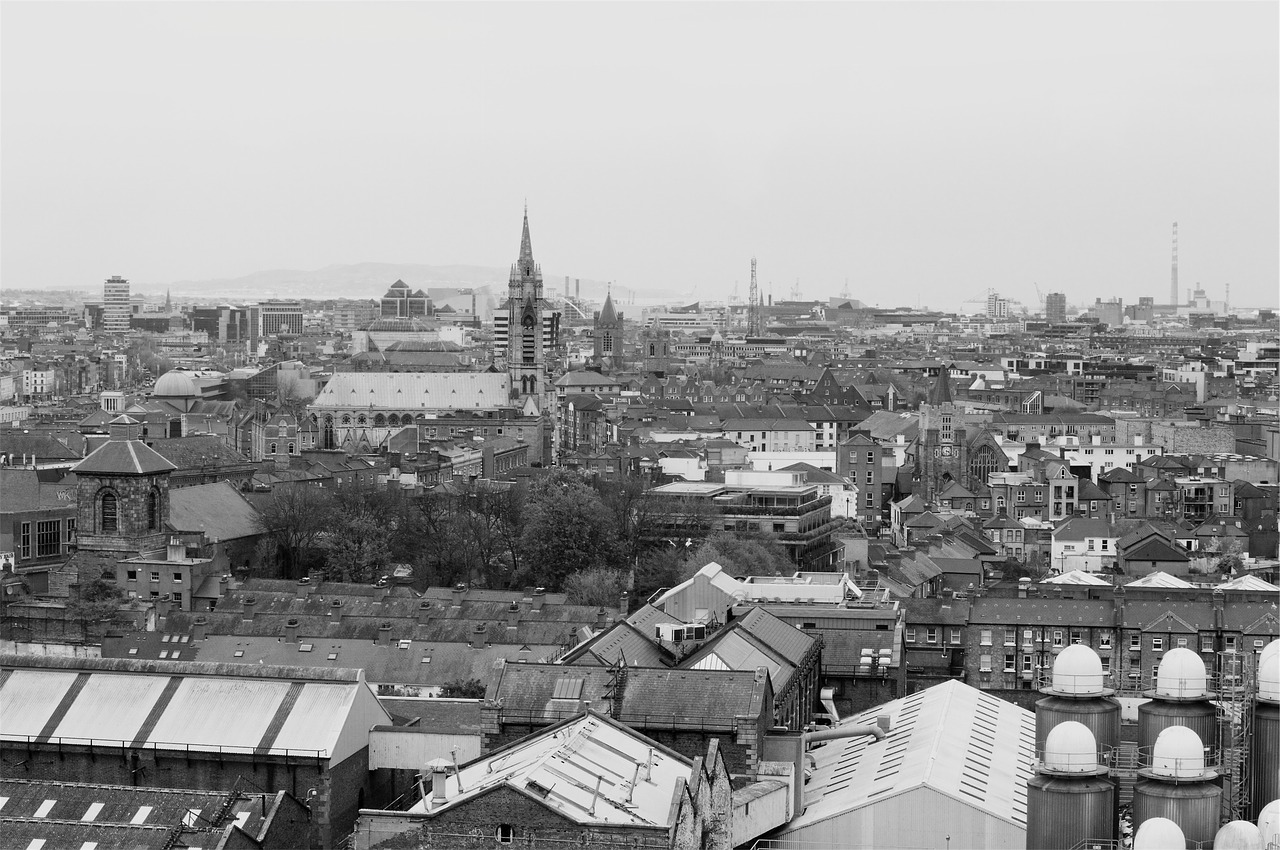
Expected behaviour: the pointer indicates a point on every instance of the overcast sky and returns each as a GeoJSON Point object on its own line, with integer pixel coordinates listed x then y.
{"type": "Point", "coordinates": [922, 151]}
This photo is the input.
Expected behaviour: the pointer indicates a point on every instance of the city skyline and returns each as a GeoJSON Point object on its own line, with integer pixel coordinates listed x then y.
{"type": "Point", "coordinates": [658, 146]}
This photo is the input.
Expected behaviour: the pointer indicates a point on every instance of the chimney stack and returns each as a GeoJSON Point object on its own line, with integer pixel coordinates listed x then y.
{"type": "Point", "coordinates": [513, 615]}
{"type": "Point", "coordinates": [248, 605]}
{"type": "Point", "coordinates": [438, 777]}
{"type": "Point", "coordinates": [384, 635]}
{"type": "Point", "coordinates": [291, 630]}
{"type": "Point", "coordinates": [200, 628]}
{"type": "Point", "coordinates": [601, 619]}
{"type": "Point", "coordinates": [458, 591]}
{"type": "Point", "coordinates": [539, 596]}
{"type": "Point", "coordinates": [424, 612]}
{"type": "Point", "coordinates": [164, 605]}
{"type": "Point", "coordinates": [304, 588]}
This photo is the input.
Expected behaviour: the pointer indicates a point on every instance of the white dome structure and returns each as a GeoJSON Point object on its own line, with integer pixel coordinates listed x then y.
{"type": "Point", "coordinates": [1181, 674]}
{"type": "Point", "coordinates": [1078, 671]}
{"type": "Point", "coordinates": [1159, 834]}
{"type": "Point", "coordinates": [176, 383]}
{"type": "Point", "coordinates": [1238, 835]}
{"type": "Point", "coordinates": [1071, 748]}
{"type": "Point", "coordinates": [1269, 822]}
{"type": "Point", "coordinates": [1178, 754]}
{"type": "Point", "coordinates": [1269, 672]}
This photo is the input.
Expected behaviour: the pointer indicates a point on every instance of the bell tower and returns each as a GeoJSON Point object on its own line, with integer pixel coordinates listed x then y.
{"type": "Point", "coordinates": [529, 333]}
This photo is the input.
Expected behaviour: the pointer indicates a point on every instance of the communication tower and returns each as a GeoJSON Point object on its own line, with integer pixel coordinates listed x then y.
{"type": "Point", "coordinates": [1173, 282]}
{"type": "Point", "coordinates": [753, 304]}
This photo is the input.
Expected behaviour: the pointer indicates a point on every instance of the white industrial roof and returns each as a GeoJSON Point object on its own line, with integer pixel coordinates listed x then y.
{"type": "Point", "coordinates": [1160, 579]}
{"type": "Point", "coordinates": [1249, 582]}
{"type": "Point", "coordinates": [1077, 577]}
{"type": "Point", "coordinates": [953, 738]}
{"type": "Point", "coordinates": [179, 705]}
{"type": "Point", "coordinates": [560, 766]}
{"type": "Point", "coordinates": [415, 391]}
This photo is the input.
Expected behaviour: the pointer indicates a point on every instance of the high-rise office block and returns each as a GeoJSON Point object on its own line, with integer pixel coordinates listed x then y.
{"type": "Point", "coordinates": [1055, 307]}
{"type": "Point", "coordinates": [116, 307]}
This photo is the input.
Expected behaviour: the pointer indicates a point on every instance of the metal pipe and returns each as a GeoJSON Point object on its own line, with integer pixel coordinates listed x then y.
{"type": "Point", "coordinates": [835, 732]}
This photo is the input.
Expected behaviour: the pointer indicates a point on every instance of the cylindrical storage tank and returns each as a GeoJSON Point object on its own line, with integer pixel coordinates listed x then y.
{"type": "Point", "coordinates": [1157, 715]}
{"type": "Point", "coordinates": [1077, 693]}
{"type": "Point", "coordinates": [1238, 835]}
{"type": "Point", "coordinates": [1159, 834]}
{"type": "Point", "coordinates": [1177, 786]}
{"type": "Point", "coordinates": [1269, 824]}
{"type": "Point", "coordinates": [1070, 799]}
{"type": "Point", "coordinates": [1266, 731]}
{"type": "Point", "coordinates": [1180, 698]}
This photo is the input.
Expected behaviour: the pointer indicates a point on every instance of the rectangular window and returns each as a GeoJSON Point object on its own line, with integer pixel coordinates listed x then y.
{"type": "Point", "coordinates": [1135, 642]}
{"type": "Point", "coordinates": [48, 538]}
{"type": "Point", "coordinates": [986, 637]}
{"type": "Point", "coordinates": [1106, 665]}
{"type": "Point", "coordinates": [911, 634]}
{"type": "Point", "coordinates": [177, 577]}
{"type": "Point", "coordinates": [984, 663]}
{"type": "Point", "coordinates": [1182, 643]}
{"type": "Point", "coordinates": [24, 541]}
{"type": "Point", "coordinates": [1010, 637]}
{"type": "Point", "coordinates": [1026, 663]}
{"type": "Point", "coordinates": [931, 634]}
{"type": "Point", "coordinates": [955, 637]}
{"type": "Point", "coordinates": [71, 530]}
{"type": "Point", "coordinates": [1105, 543]}
{"type": "Point", "coordinates": [870, 501]}
{"type": "Point", "coordinates": [870, 479]}
{"type": "Point", "coordinates": [177, 600]}
{"type": "Point", "coordinates": [1104, 641]}
{"type": "Point", "coordinates": [1026, 636]}
{"type": "Point", "coordinates": [131, 575]}
{"type": "Point", "coordinates": [1230, 641]}
{"type": "Point", "coordinates": [155, 575]}
{"type": "Point", "coordinates": [1206, 643]}
{"type": "Point", "coordinates": [1075, 636]}
{"type": "Point", "coordinates": [1157, 644]}
{"type": "Point", "coordinates": [1009, 661]}
{"type": "Point", "coordinates": [1057, 637]}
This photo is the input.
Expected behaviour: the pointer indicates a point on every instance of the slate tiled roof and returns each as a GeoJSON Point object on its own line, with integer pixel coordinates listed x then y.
{"type": "Point", "coordinates": [1156, 549]}
{"type": "Point", "coordinates": [199, 451]}
{"type": "Point", "coordinates": [1048, 612]}
{"type": "Point", "coordinates": [415, 390]}
{"type": "Point", "coordinates": [218, 510]}
{"type": "Point", "coordinates": [789, 642]}
{"type": "Point", "coordinates": [622, 641]}
{"type": "Point", "coordinates": [124, 457]}
{"type": "Point", "coordinates": [702, 699]}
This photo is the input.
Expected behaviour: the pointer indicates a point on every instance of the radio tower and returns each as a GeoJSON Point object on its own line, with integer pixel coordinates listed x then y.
{"type": "Point", "coordinates": [1173, 282]}
{"type": "Point", "coordinates": [753, 304]}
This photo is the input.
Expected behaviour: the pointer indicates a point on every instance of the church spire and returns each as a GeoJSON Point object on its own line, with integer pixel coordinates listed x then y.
{"type": "Point", "coordinates": [608, 316]}
{"type": "Point", "coordinates": [526, 246]}
{"type": "Point", "coordinates": [941, 391]}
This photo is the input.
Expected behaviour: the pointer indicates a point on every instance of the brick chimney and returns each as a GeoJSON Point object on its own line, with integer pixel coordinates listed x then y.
{"type": "Point", "coordinates": [479, 636]}
{"type": "Point", "coordinates": [539, 596]}
{"type": "Point", "coordinates": [624, 603]}
{"type": "Point", "coordinates": [249, 603]}
{"type": "Point", "coordinates": [384, 635]}
{"type": "Point", "coordinates": [200, 628]}
{"type": "Point", "coordinates": [601, 619]}
{"type": "Point", "coordinates": [291, 630]}
{"type": "Point", "coordinates": [304, 588]}
{"type": "Point", "coordinates": [459, 590]}
{"type": "Point", "coordinates": [1117, 606]}
{"type": "Point", "coordinates": [513, 615]}
{"type": "Point", "coordinates": [424, 612]}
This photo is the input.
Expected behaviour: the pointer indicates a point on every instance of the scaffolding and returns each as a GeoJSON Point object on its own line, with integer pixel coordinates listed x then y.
{"type": "Point", "coordinates": [1236, 693]}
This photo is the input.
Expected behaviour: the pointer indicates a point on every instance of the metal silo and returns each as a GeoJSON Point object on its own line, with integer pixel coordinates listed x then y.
{"type": "Point", "coordinates": [1070, 799]}
{"type": "Point", "coordinates": [1178, 785]}
{"type": "Point", "coordinates": [1238, 835]}
{"type": "Point", "coordinates": [1181, 697]}
{"type": "Point", "coordinates": [1265, 749]}
{"type": "Point", "coordinates": [1077, 693]}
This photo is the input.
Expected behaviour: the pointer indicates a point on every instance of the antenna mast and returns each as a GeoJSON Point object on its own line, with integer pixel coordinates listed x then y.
{"type": "Point", "coordinates": [753, 304]}
{"type": "Point", "coordinates": [1173, 282]}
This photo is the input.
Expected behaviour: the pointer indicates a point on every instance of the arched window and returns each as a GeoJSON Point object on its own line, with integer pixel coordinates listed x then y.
{"type": "Point", "coordinates": [291, 448]}
{"type": "Point", "coordinates": [272, 450]}
{"type": "Point", "coordinates": [393, 420]}
{"type": "Point", "coordinates": [153, 510]}
{"type": "Point", "coordinates": [361, 420]}
{"type": "Point", "coordinates": [346, 419]}
{"type": "Point", "coordinates": [982, 464]}
{"type": "Point", "coordinates": [110, 514]}
{"type": "Point", "coordinates": [379, 421]}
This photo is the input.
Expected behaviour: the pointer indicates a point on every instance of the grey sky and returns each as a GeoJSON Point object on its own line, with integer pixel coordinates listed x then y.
{"type": "Point", "coordinates": [925, 151]}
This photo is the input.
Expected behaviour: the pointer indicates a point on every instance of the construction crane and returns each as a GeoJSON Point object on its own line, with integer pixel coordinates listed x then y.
{"type": "Point", "coordinates": [753, 304]}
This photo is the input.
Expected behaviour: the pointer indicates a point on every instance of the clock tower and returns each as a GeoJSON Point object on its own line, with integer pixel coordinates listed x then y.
{"type": "Point", "coordinates": [531, 328]}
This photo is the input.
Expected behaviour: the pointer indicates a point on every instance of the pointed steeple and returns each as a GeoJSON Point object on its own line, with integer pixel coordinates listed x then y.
{"type": "Point", "coordinates": [526, 246]}
{"type": "Point", "coordinates": [608, 316]}
{"type": "Point", "coordinates": [941, 391]}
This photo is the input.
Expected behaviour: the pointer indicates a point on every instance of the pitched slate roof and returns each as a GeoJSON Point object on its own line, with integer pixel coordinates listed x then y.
{"type": "Point", "coordinates": [123, 457]}
{"type": "Point", "coordinates": [1156, 549]}
{"type": "Point", "coordinates": [415, 390]}
{"type": "Point", "coordinates": [218, 510]}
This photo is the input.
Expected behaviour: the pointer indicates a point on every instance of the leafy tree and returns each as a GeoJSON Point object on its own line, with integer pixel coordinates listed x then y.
{"type": "Point", "coordinates": [96, 606]}
{"type": "Point", "coordinates": [463, 689]}
{"type": "Point", "coordinates": [739, 554]}
{"type": "Point", "coordinates": [566, 530]}
{"type": "Point", "coordinates": [659, 568]}
{"type": "Point", "coordinates": [295, 517]}
{"type": "Point", "coordinates": [599, 588]}
{"type": "Point", "coordinates": [357, 549]}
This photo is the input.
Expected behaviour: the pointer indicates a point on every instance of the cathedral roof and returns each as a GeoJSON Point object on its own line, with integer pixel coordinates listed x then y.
{"type": "Point", "coordinates": [940, 393]}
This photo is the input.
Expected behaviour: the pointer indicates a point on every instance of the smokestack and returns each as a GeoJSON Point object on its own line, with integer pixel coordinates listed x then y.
{"type": "Point", "coordinates": [577, 288]}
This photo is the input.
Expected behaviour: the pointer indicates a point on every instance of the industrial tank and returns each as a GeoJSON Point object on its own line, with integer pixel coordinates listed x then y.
{"type": "Point", "coordinates": [1265, 750]}
{"type": "Point", "coordinates": [1178, 785]}
{"type": "Point", "coordinates": [1158, 834]}
{"type": "Point", "coordinates": [1238, 835]}
{"type": "Point", "coordinates": [1269, 824]}
{"type": "Point", "coordinates": [1181, 697]}
{"type": "Point", "coordinates": [1070, 799]}
{"type": "Point", "coordinates": [1078, 693]}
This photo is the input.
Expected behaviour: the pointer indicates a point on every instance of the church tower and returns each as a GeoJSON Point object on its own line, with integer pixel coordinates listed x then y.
{"type": "Point", "coordinates": [607, 352]}
{"type": "Point", "coordinates": [529, 333]}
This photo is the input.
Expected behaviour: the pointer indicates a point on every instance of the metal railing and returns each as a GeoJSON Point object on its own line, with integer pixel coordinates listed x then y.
{"type": "Point", "coordinates": [187, 749]}
{"type": "Point", "coordinates": [536, 717]}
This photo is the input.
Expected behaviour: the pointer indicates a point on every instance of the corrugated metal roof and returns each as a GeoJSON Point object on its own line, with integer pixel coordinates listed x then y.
{"type": "Point", "coordinates": [952, 738]}
{"type": "Point", "coordinates": [415, 391]}
{"type": "Point", "coordinates": [588, 769]}
{"type": "Point", "coordinates": [1160, 579]}
{"type": "Point", "coordinates": [28, 699]}
{"type": "Point", "coordinates": [317, 715]}
{"type": "Point", "coordinates": [111, 707]}
{"type": "Point", "coordinates": [201, 710]}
